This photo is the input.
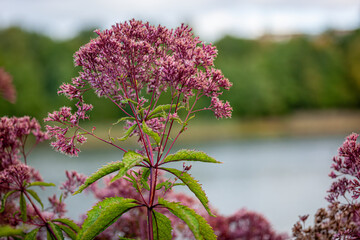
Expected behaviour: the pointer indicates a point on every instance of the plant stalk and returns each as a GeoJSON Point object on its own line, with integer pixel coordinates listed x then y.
{"type": "Point", "coordinates": [40, 216]}
{"type": "Point", "coordinates": [150, 224]}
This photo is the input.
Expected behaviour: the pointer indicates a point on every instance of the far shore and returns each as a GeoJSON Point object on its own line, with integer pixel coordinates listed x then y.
{"type": "Point", "coordinates": [300, 124]}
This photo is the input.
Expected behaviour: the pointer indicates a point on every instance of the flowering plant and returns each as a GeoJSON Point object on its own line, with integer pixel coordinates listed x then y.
{"type": "Point", "coordinates": [341, 220]}
{"type": "Point", "coordinates": [17, 180]}
{"type": "Point", "coordinates": [134, 65]}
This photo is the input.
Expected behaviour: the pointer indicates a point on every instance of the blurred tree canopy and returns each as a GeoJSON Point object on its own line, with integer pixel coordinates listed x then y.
{"type": "Point", "coordinates": [270, 76]}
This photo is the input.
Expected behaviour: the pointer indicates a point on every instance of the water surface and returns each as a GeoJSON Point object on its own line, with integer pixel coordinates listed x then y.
{"type": "Point", "coordinates": [280, 178]}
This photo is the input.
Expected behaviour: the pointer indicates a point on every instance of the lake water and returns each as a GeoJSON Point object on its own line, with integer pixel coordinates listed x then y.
{"type": "Point", "coordinates": [280, 178]}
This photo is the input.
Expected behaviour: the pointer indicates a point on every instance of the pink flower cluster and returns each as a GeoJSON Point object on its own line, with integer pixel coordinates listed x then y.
{"type": "Point", "coordinates": [7, 89]}
{"type": "Point", "coordinates": [74, 180]}
{"type": "Point", "coordinates": [64, 143]}
{"type": "Point", "coordinates": [244, 224]}
{"type": "Point", "coordinates": [14, 176]}
{"type": "Point", "coordinates": [133, 55]}
{"type": "Point", "coordinates": [346, 164]}
{"type": "Point", "coordinates": [13, 135]}
{"type": "Point", "coordinates": [221, 109]}
{"type": "Point", "coordinates": [57, 207]}
{"type": "Point", "coordinates": [133, 64]}
{"type": "Point", "coordinates": [341, 220]}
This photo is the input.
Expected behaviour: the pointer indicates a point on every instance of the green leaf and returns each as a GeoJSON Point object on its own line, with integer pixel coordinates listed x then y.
{"type": "Point", "coordinates": [144, 178]}
{"type": "Point", "coordinates": [130, 159]}
{"type": "Point", "coordinates": [130, 178]}
{"type": "Point", "coordinates": [150, 132]}
{"type": "Point", "coordinates": [48, 236]}
{"type": "Point", "coordinates": [103, 214]}
{"type": "Point", "coordinates": [7, 231]}
{"type": "Point", "coordinates": [197, 224]}
{"type": "Point", "coordinates": [35, 196]}
{"type": "Point", "coordinates": [179, 184]}
{"type": "Point", "coordinates": [177, 119]}
{"type": "Point", "coordinates": [23, 207]}
{"type": "Point", "coordinates": [163, 114]}
{"type": "Point", "coordinates": [44, 184]}
{"type": "Point", "coordinates": [127, 100]}
{"type": "Point", "coordinates": [32, 235]}
{"type": "Point", "coordinates": [69, 227]}
{"type": "Point", "coordinates": [103, 171]}
{"type": "Point", "coordinates": [205, 229]}
{"type": "Point", "coordinates": [17, 238]}
{"type": "Point", "coordinates": [186, 123]}
{"type": "Point", "coordinates": [189, 155]}
{"type": "Point", "coordinates": [123, 119]}
{"type": "Point", "coordinates": [68, 231]}
{"type": "Point", "coordinates": [193, 185]}
{"type": "Point", "coordinates": [56, 230]}
{"type": "Point", "coordinates": [165, 184]}
{"type": "Point", "coordinates": [142, 110]}
{"type": "Point", "coordinates": [161, 226]}
{"type": "Point", "coordinates": [162, 108]}
{"type": "Point", "coordinates": [68, 222]}
{"type": "Point", "coordinates": [3, 200]}
{"type": "Point", "coordinates": [127, 133]}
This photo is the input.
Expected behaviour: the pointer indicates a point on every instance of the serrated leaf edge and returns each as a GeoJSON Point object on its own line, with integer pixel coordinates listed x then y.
{"type": "Point", "coordinates": [196, 189]}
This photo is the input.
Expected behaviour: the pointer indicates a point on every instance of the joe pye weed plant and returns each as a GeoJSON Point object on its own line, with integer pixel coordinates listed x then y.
{"type": "Point", "coordinates": [133, 65]}
{"type": "Point", "coordinates": [136, 67]}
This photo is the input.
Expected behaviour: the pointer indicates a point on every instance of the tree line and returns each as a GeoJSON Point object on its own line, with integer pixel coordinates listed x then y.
{"type": "Point", "coordinates": [270, 76]}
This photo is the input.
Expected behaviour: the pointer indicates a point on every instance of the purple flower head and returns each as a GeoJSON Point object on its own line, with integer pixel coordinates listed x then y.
{"type": "Point", "coordinates": [67, 143]}
{"type": "Point", "coordinates": [220, 108]}
{"type": "Point", "coordinates": [341, 219]}
{"type": "Point", "coordinates": [133, 56]}
{"type": "Point", "coordinates": [74, 180]}
{"type": "Point", "coordinates": [133, 64]}
{"type": "Point", "coordinates": [13, 135]}
{"type": "Point", "coordinates": [245, 224]}
{"type": "Point", "coordinates": [13, 130]}
{"type": "Point", "coordinates": [7, 89]}
{"type": "Point", "coordinates": [15, 175]}
{"type": "Point", "coordinates": [58, 207]}
{"type": "Point", "coordinates": [346, 164]}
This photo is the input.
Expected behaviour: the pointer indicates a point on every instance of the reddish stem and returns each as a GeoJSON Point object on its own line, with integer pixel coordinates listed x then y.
{"type": "Point", "coordinates": [150, 224]}
{"type": "Point", "coordinates": [140, 130]}
{"type": "Point", "coordinates": [99, 138]}
{"type": "Point", "coordinates": [187, 117]}
{"type": "Point", "coordinates": [40, 215]}
{"type": "Point", "coordinates": [162, 147]}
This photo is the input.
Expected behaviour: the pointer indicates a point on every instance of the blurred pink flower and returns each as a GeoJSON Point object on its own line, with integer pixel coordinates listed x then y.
{"type": "Point", "coordinates": [7, 89]}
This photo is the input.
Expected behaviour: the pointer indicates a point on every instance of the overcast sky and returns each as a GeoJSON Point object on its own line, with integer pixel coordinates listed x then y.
{"type": "Point", "coordinates": [210, 19]}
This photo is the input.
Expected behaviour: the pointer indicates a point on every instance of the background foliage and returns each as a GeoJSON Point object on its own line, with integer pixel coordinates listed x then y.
{"type": "Point", "coordinates": [270, 76]}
